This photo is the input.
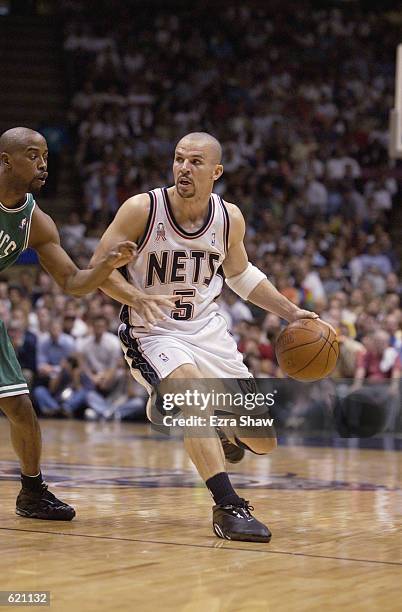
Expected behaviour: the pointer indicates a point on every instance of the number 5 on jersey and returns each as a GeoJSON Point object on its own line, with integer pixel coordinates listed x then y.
{"type": "Point", "coordinates": [184, 310]}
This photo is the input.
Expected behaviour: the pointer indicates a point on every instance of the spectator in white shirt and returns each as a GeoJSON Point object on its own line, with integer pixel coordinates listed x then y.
{"type": "Point", "coordinates": [101, 357]}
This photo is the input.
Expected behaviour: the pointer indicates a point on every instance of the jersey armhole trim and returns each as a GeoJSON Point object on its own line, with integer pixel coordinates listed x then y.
{"type": "Point", "coordinates": [28, 232]}
{"type": "Point", "coordinates": [150, 222]}
{"type": "Point", "coordinates": [226, 225]}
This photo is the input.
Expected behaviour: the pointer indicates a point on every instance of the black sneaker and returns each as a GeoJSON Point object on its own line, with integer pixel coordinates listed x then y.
{"type": "Point", "coordinates": [235, 522]}
{"type": "Point", "coordinates": [42, 504]}
{"type": "Point", "coordinates": [233, 453]}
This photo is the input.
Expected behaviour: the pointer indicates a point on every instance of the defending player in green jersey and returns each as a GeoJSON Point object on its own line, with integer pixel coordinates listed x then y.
{"type": "Point", "coordinates": [23, 171]}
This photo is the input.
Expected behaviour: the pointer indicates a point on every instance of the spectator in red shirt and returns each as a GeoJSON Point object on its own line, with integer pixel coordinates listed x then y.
{"type": "Point", "coordinates": [379, 363]}
{"type": "Point", "coordinates": [257, 337]}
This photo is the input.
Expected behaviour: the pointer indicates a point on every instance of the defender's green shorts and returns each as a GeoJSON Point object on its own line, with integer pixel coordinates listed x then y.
{"type": "Point", "coordinates": [12, 381]}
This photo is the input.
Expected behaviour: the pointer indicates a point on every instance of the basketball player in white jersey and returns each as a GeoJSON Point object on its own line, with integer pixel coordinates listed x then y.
{"type": "Point", "coordinates": [186, 235]}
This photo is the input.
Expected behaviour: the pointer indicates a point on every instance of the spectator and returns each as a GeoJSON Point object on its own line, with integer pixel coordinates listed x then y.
{"type": "Point", "coordinates": [234, 308]}
{"type": "Point", "coordinates": [52, 352]}
{"type": "Point", "coordinates": [102, 360]}
{"type": "Point", "coordinates": [25, 344]}
{"type": "Point", "coordinates": [351, 352]}
{"type": "Point", "coordinates": [380, 361]}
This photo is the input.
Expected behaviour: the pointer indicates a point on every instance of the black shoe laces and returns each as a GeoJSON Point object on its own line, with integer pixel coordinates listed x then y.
{"type": "Point", "coordinates": [243, 505]}
{"type": "Point", "coordinates": [247, 506]}
{"type": "Point", "coordinates": [46, 493]}
{"type": "Point", "coordinates": [42, 492]}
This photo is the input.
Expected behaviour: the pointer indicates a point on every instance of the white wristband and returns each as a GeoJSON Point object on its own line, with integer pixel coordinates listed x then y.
{"type": "Point", "coordinates": [244, 283]}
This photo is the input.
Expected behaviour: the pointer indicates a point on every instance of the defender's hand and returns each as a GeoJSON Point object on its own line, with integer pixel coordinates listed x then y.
{"type": "Point", "coordinates": [121, 255]}
{"type": "Point", "coordinates": [148, 307]}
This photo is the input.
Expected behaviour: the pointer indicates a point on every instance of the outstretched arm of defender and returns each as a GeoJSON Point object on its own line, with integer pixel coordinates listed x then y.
{"type": "Point", "coordinates": [248, 281]}
{"type": "Point", "coordinates": [45, 240]}
{"type": "Point", "coordinates": [129, 224]}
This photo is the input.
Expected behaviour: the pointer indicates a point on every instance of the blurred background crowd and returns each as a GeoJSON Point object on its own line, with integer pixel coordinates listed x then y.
{"type": "Point", "coordinates": [299, 97]}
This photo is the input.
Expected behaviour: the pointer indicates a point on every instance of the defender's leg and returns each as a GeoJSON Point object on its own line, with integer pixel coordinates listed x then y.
{"type": "Point", "coordinates": [34, 499]}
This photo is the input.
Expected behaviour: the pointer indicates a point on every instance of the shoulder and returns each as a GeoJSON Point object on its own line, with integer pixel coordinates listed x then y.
{"type": "Point", "coordinates": [43, 228]}
{"type": "Point", "coordinates": [237, 226]}
{"type": "Point", "coordinates": [134, 214]}
{"type": "Point", "coordinates": [139, 204]}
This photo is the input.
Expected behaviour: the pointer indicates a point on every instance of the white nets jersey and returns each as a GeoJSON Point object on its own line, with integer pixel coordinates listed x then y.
{"type": "Point", "coordinates": [172, 261]}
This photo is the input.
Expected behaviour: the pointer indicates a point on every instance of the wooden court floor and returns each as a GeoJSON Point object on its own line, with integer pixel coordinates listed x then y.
{"type": "Point", "coordinates": [142, 538]}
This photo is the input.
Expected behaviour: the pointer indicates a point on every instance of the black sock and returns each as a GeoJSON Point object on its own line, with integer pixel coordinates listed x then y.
{"type": "Point", "coordinates": [32, 482]}
{"type": "Point", "coordinates": [222, 490]}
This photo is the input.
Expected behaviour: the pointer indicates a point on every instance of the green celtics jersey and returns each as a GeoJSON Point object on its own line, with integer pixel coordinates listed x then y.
{"type": "Point", "coordinates": [15, 224]}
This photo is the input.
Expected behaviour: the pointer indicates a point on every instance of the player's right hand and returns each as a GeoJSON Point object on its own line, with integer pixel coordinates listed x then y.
{"type": "Point", "coordinates": [122, 254]}
{"type": "Point", "coordinates": [149, 307]}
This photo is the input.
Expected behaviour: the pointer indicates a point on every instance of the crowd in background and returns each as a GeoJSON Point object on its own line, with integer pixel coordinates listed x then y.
{"type": "Point", "coordinates": [299, 98]}
{"type": "Point", "coordinates": [68, 350]}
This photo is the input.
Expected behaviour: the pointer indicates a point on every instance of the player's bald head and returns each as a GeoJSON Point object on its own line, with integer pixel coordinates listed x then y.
{"type": "Point", "coordinates": [204, 141]}
{"type": "Point", "coordinates": [19, 138]}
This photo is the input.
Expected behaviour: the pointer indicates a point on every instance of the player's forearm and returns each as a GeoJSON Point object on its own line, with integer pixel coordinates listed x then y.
{"type": "Point", "coordinates": [116, 287]}
{"type": "Point", "coordinates": [86, 281]}
{"type": "Point", "coordinates": [266, 296]}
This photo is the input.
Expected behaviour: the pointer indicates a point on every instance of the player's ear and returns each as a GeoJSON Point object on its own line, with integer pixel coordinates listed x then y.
{"type": "Point", "coordinates": [217, 172]}
{"type": "Point", "coordinates": [5, 159]}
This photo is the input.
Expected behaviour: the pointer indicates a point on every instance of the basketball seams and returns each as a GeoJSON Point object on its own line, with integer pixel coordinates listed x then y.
{"type": "Point", "coordinates": [293, 348]}
{"type": "Point", "coordinates": [316, 355]}
{"type": "Point", "coordinates": [326, 363]}
{"type": "Point", "coordinates": [332, 346]}
{"type": "Point", "coordinates": [295, 351]}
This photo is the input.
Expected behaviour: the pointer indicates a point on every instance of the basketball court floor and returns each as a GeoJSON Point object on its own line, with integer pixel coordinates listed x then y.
{"type": "Point", "coordinates": [142, 538]}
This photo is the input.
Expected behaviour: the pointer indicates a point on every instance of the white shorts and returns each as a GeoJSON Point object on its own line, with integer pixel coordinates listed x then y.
{"type": "Point", "coordinates": [212, 350]}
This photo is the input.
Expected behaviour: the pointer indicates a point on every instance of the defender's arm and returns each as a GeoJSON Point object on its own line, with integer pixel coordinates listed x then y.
{"type": "Point", "coordinates": [45, 239]}
{"type": "Point", "coordinates": [129, 224]}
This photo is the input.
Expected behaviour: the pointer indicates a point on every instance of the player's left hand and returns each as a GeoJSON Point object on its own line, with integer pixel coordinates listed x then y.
{"type": "Point", "coordinates": [121, 255]}
{"type": "Point", "coordinates": [299, 313]}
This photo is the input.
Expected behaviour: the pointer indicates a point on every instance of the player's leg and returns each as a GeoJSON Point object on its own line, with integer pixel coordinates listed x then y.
{"type": "Point", "coordinates": [24, 432]}
{"type": "Point", "coordinates": [231, 514]}
{"type": "Point", "coordinates": [255, 441]}
{"type": "Point", "coordinates": [155, 359]}
{"type": "Point", "coordinates": [205, 451]}
{"type": "Point", "coordinates": [34, 500]}
{"type": "Point", "coordinates": [217, 357]}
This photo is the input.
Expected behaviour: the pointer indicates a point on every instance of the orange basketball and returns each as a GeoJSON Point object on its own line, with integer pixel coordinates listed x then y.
{"type": "Point", "coordinates": [307, 349]}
